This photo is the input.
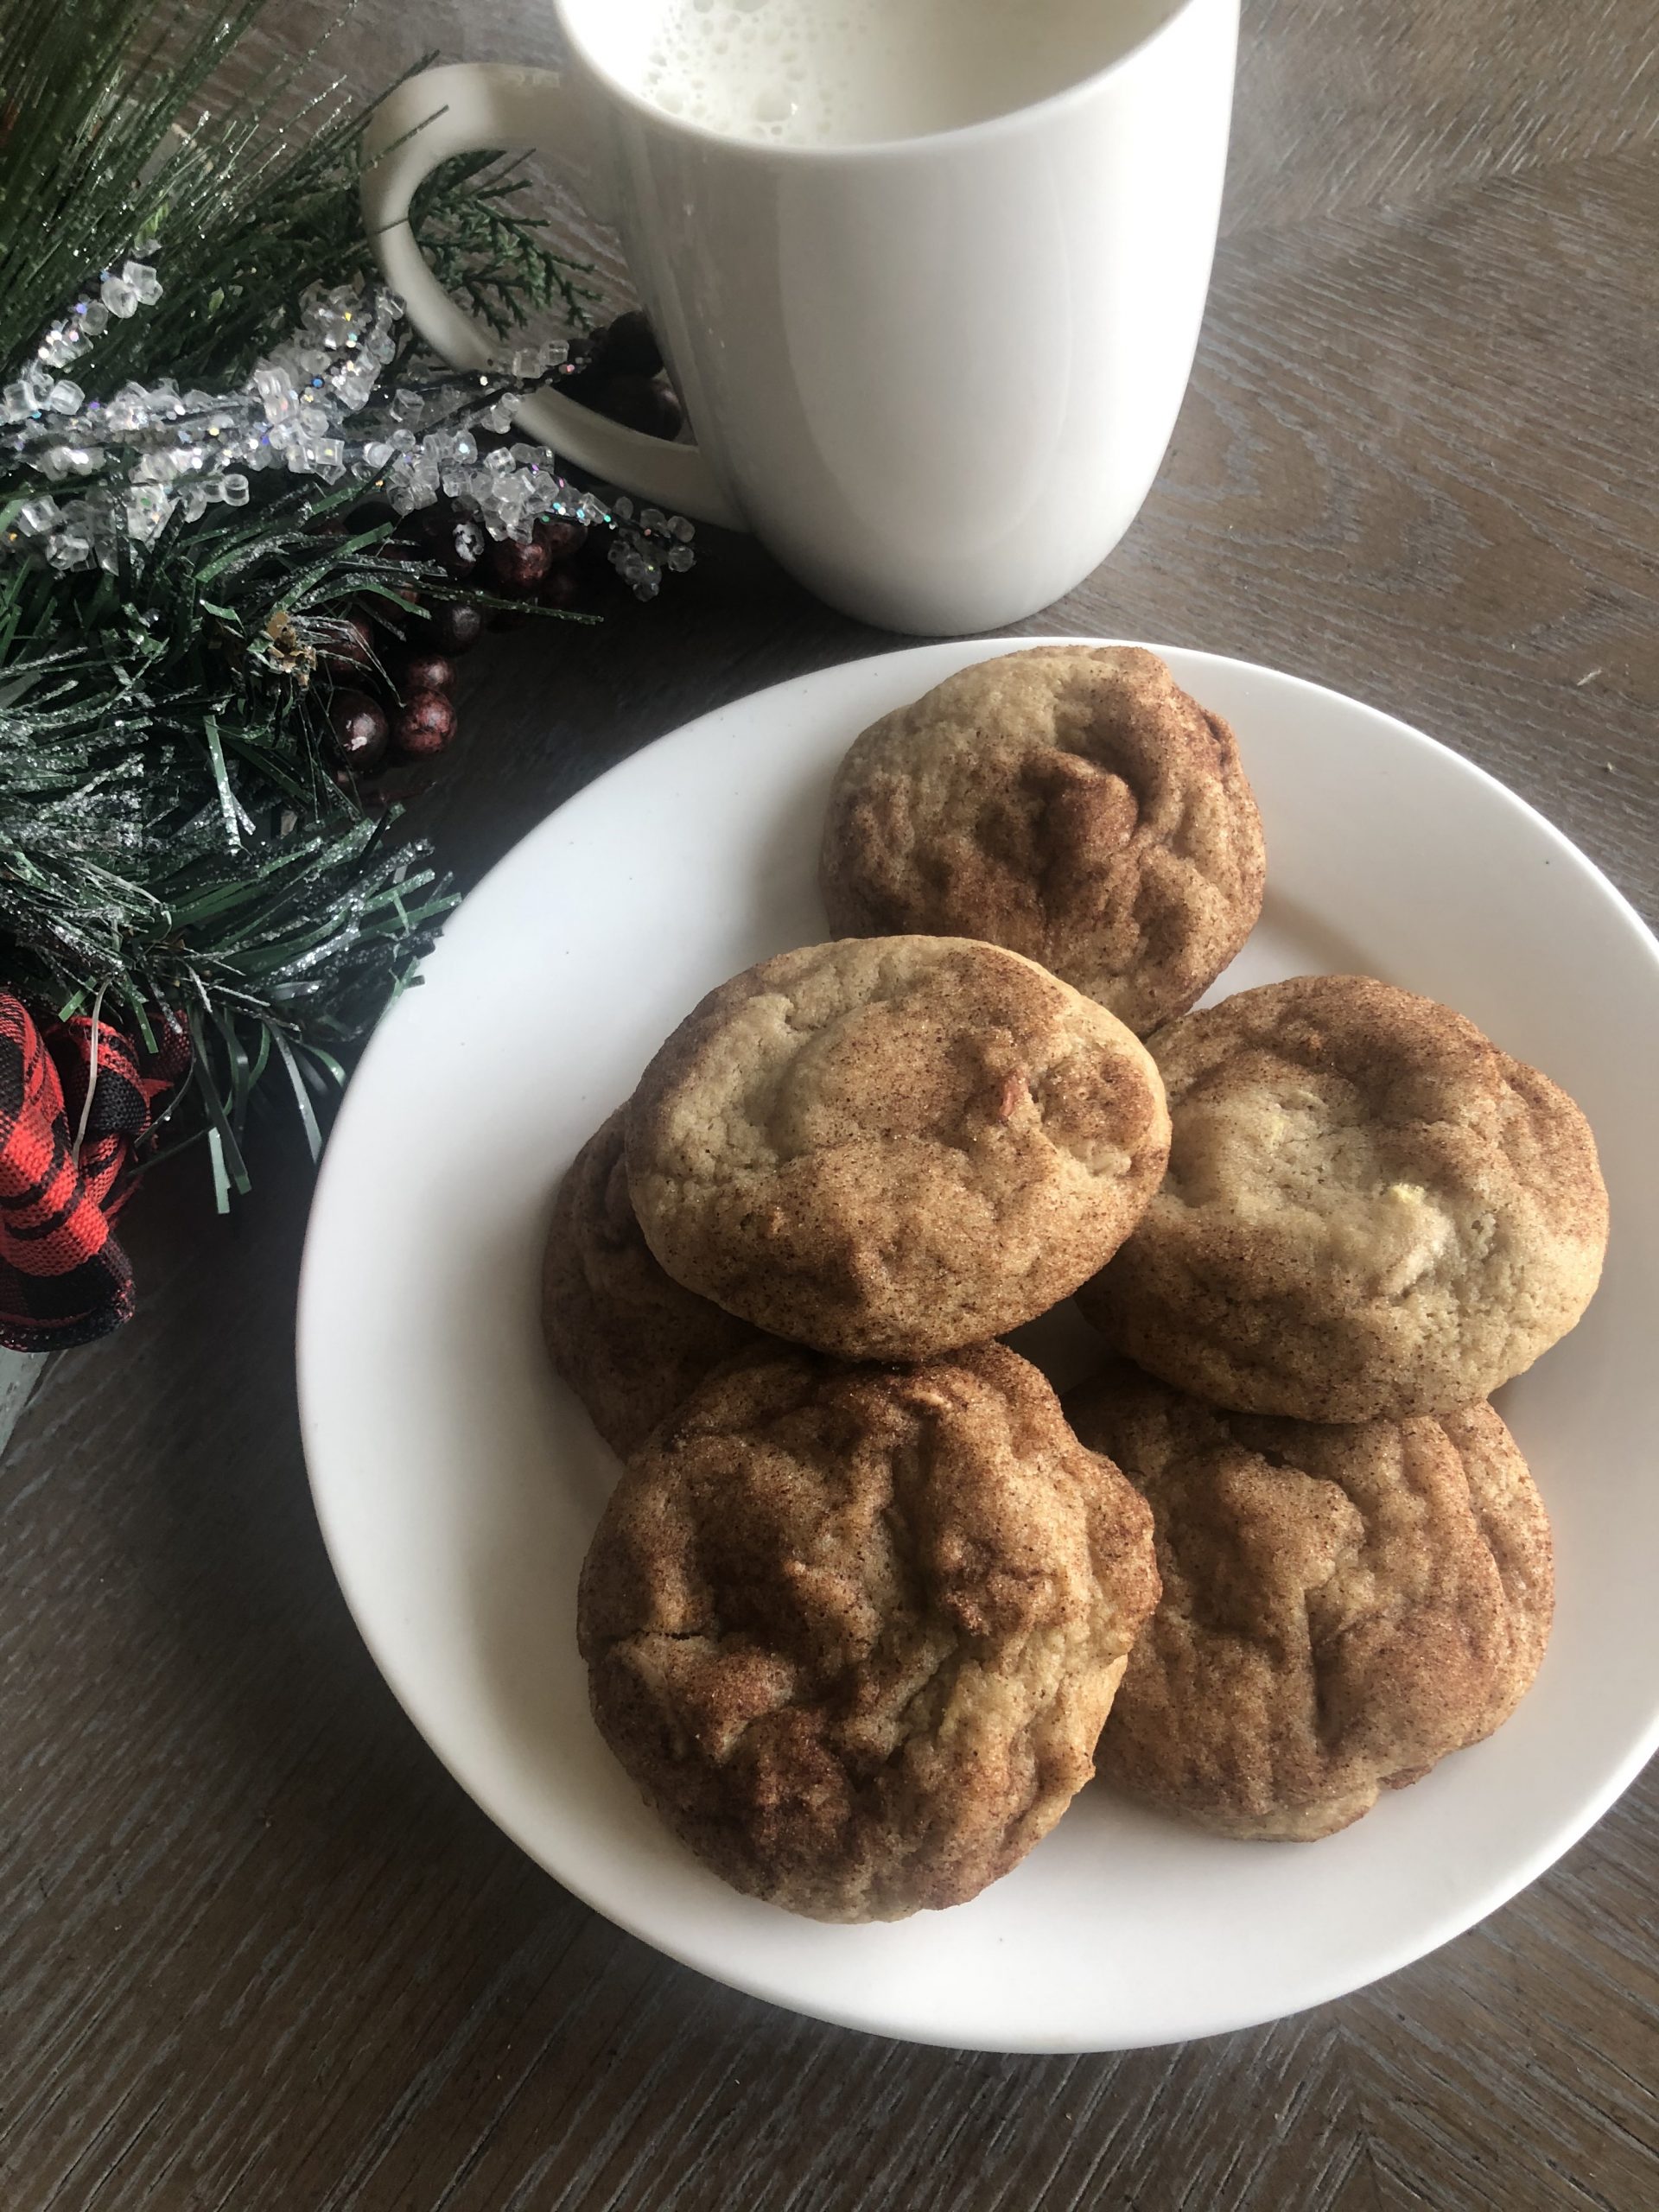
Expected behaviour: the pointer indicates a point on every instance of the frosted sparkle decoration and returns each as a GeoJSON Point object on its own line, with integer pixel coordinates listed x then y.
{"type": "Point", "coordinates": [314, 406]}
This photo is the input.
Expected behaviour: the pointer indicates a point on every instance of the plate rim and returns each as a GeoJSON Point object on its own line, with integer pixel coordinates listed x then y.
{"type": "Point", "coordinates": [1445, 1926]}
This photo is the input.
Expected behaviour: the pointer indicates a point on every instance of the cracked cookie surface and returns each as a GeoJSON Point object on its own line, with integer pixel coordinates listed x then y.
{"type": "Point", "coordinates": [1341, 1607]}
{"type": "Point", "coordinates": [631, 1342]}
{"type": "Point", "coordinates": [854, 1631]}
{"type": "Point", "coordinates": [1371, 1211]}
{"type": "Point", "coordinates": [1071, 802]}
{"type": "Point", "coordinates": [887, 1148]}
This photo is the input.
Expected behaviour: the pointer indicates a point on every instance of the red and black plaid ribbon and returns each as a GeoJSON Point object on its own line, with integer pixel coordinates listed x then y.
{"type": "Point", "coordinates": [63, 1278]}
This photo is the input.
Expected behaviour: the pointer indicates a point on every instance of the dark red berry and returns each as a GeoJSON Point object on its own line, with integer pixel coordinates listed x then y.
{"type": "Point", "coordinates": [427, 673]}
{"type": "Point", "coordinates": [564, 540]}
{"type": "Point", "coordinates": [561, 588]}
{"type": "Point", "coordinates": [457, 625]}
{"type": "Point", "coordinates": [518, 567]}
{"type": "Point", "coordinates": [358, 725]}
{"type": "Point", "coordinates": [579, 385]}
{"type": "Point", "coordinates": [425, 725]}
{"type": "Point", "coordinates": [350, 650]}
{"type": "Point", "coordinates": [629, 347]}
{"type": "Point", "coordinates": [641, 404]}
{"type": "Point", "coordinates": [431, 525]}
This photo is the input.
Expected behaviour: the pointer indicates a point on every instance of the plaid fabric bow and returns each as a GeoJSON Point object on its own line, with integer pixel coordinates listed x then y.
{"type": "Point", "coordinates": [63, 1160]}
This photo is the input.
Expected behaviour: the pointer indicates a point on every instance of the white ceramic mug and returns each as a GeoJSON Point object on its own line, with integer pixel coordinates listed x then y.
{"type": "Point", "coordinates": [936, 376]}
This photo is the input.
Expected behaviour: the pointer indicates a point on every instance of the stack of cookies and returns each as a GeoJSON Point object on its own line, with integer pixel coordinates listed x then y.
{"type": "Point", "coordinates": [867, 1606]}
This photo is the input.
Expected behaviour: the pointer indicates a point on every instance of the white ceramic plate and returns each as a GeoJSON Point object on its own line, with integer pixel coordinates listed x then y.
{"type": "Point", "coordinates": [458, 1483]}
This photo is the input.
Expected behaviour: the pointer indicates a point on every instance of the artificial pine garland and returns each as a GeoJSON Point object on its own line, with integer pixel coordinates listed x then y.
{"type": "Point", "coordinates": [211, 425]}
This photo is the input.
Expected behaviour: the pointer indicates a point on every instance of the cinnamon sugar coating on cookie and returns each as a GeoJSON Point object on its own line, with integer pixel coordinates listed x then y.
{"type": "Point", "coordinates": [1071, 802]}
{"type": "Point", "coordinates": [854, 1631]}
{"type": "Point", "coordinates": [889, 1147]}
{"type": "Point", "coordinates": [628, 1339]}
{"type": "Point", "coordinates": [1371, 1211]}
{"type": "Point", "coordinates": [1341, 1607]}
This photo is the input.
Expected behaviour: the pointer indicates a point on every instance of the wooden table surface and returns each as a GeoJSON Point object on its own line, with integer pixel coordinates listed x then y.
{"type": "Point", "coordinates": [257, 1951]}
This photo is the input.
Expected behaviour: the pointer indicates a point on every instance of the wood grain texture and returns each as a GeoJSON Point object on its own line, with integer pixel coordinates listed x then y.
{"type": "Point", "coordinates": [256, 1950]}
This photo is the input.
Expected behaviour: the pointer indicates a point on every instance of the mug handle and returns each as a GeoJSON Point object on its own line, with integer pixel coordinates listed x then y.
{"type": "Point", "coordinates": [477, 107]}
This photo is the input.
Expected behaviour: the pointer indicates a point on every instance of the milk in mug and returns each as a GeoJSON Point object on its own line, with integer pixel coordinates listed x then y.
{"type": "Point", "coordinates": [840, 72]}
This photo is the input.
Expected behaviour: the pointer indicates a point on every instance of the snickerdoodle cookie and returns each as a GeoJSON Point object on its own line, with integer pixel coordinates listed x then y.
{"type": "Point", "coordinates": [1071, 802]}
{"type": "Point", "coordinates": [630, 1342]}
{"type": "Point", "coordinates": [854, 1631]}
{"type": "Point", "coordinates": [1342, 1606]}
{"type": "Point", "coordinates": [891, 1146]}
{"type": "Point", "coordinates": [1371, 1212]}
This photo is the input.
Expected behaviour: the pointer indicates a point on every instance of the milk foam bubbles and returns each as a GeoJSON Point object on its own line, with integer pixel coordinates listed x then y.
{"type": "Point", "coordinates": [830, 72]}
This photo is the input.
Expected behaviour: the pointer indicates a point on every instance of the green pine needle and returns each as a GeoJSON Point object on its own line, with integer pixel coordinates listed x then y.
{"type": "Point", "coordinates": [174, 847]}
